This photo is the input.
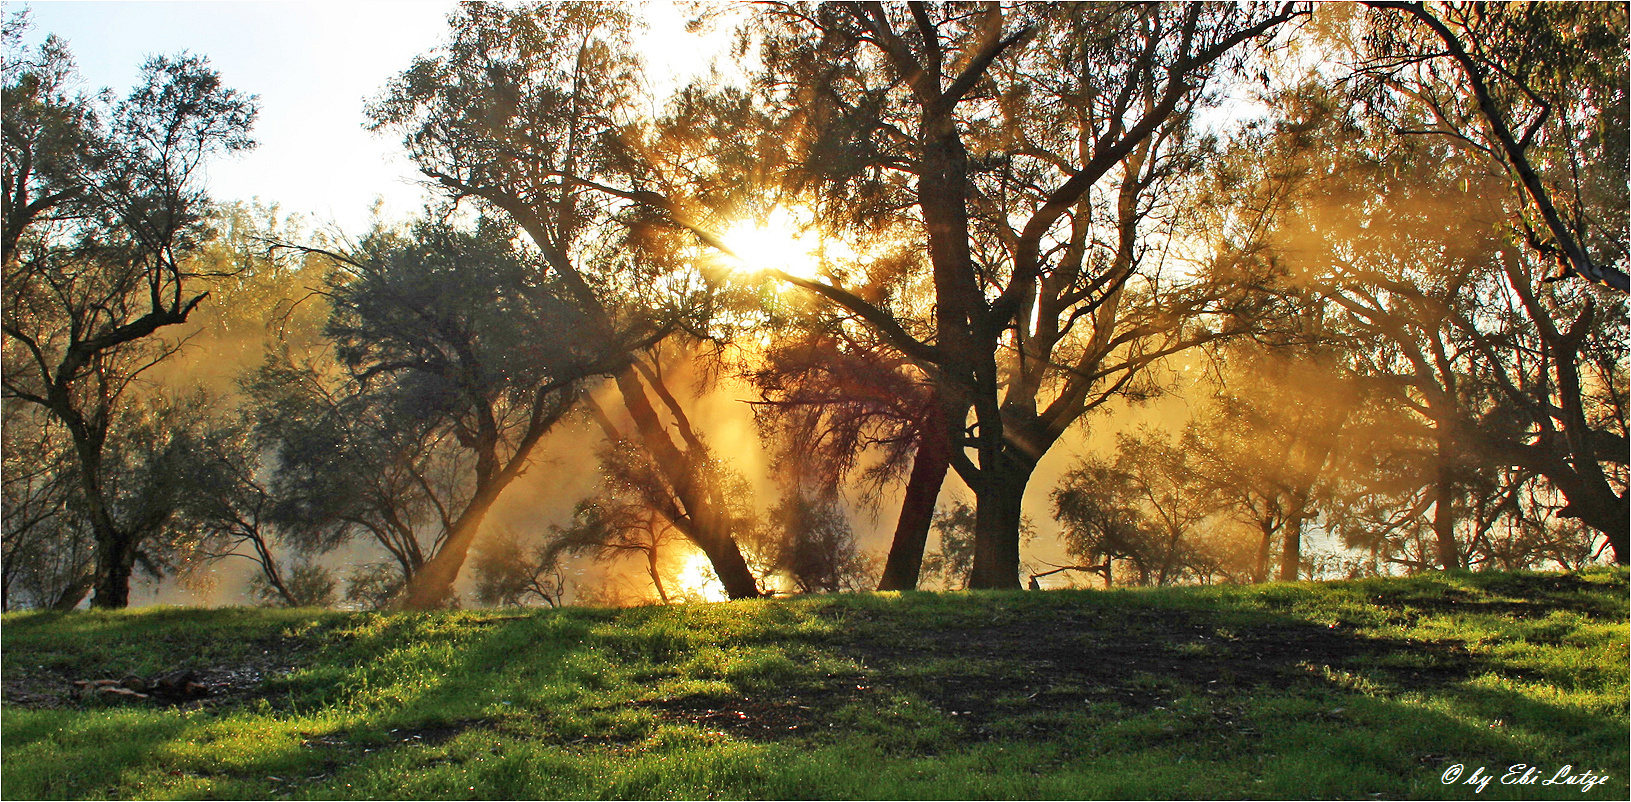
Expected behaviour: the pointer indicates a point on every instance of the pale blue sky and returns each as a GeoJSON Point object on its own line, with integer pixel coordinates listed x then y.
{"type": "Point", "coordinates": [314, 64]}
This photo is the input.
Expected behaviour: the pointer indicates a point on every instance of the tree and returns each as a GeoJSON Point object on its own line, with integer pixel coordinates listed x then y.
{"type": "Point", "coordinates": [346, 464]}
{"type": "Point", "coordinates": [1447, 317]}
{"type": "Point", "coordinates": [229, 507]}
{"type": "Point", "coordinates": [1540, 90]}
{"type": "Point", "coordinates": [809, 539]}
{"type": "Point", "coordinates": [452, 335]}
{"type": "Point", "coordinates": [633, 513]}
{"type": "Point", "coordinates": [1538, 93]}
{"type": "Point", "coordinates": [983, 136]}
{"type": "Point", "coordinates": [508, 574]}
{"type": "Point", "coordinates": [528, 113]}
{"type": "Point", "coordinates": [1273, 440]}
{"type": "Point", "coordinates": [829, 398]}
{"type": "Point", "coordinates": [104, 209]}
{"type": "Point", "coordinates": [953, 558]}
{"type": "Point", "coordinates": [1146, 507]}
{"type": "Point", "coordinates": [47, 560]}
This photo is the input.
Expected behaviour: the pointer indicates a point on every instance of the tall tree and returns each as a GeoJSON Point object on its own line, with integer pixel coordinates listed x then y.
{"type": "Point", "coordinates": [1272, 439]}
{"type": "Point", "coordinates": [104, 209]}
{"type": "Point", "coordinates": [1401, 238]}
{"type": "Point", "coordinates": [454, 330]}
{"type": "Point", "coordinates": [1536, 91]}
{"type": "Point", "coordinates": [983, 134]}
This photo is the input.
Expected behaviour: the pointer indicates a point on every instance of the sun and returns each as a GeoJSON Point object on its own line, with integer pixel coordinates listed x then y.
{"type": "Point", "coordinates": [695, 579]}
{"type": "Point", "coordinates": [786, 241]}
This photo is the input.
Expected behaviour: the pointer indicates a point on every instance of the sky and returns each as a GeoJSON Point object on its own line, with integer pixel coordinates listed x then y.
{"type": "Point", "coordinates": [314, 66]}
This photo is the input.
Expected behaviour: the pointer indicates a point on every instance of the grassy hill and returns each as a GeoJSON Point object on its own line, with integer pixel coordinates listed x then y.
{"type": "Point", "coordinates": [1364, 689]}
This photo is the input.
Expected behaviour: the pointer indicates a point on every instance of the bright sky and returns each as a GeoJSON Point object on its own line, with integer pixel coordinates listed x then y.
{"type": "Point", "coordinates": [314, 65]}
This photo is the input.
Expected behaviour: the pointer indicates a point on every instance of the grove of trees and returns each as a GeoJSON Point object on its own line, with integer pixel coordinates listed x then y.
{"type": "Point", "coordinates": [1104, 292]}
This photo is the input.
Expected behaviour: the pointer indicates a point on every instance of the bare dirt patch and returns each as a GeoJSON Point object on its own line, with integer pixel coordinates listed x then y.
{"type": "Point", "coordinates": [240, 680]}
{"type": "Point", "coordinates": [1007, 678]}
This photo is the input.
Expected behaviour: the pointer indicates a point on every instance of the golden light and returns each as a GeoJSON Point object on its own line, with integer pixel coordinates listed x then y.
{"type": "Point", "coordinates": [785, 241]}
{"type": "Point", "coordinates": [696, 579]}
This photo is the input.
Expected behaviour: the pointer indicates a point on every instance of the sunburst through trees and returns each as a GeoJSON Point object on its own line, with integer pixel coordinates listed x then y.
{"type": "Point", "coordinates": [936, 295]}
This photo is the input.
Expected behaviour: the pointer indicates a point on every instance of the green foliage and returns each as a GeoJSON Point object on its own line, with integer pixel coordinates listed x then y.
{"type": "Point", "coordinates": [811, 541]}
{"type": "Point", "coordinates": [510, 575]}
{"type": "Point", "coordinates": [105, 208]}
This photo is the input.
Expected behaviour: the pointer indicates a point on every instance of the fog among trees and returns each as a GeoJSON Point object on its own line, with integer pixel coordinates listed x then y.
{"type": "Point", "coordinates": [940, 296]}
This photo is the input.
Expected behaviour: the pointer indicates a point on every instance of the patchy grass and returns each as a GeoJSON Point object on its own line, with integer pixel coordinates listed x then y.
{"type": "Point", "coordinates": [1372, 688]}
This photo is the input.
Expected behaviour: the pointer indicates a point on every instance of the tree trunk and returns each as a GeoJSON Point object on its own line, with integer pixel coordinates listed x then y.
{"type": "Point", "coordinates": [1605, 512]}
{"type": "Point", "coordinates": [269, 569]}
{"type": "Point", "coordinates": [997, 516]}
{"type": "Point", "coordinates": [432, 585]}
{"type": "Point", "coordinates": [115, 562]}
{"type": "Point", "coordinates": [699, 517]}
{"type": "Point", "coordinates": [1260, 570]}
{"type": "Point", "coordinates": [929, 467]}
{"type": "Point", "coordinates": [75, 593]}
{"type": "Point", "coordinates": [656, 576]}
{"type": "Point", "coordinates": [1291, 544]}
{"type": "Point", "coordinates": [1449, 556]}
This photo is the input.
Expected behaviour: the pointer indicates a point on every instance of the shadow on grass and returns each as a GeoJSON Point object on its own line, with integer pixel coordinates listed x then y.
{"type": "Point", "coordinates": [1059, 694]}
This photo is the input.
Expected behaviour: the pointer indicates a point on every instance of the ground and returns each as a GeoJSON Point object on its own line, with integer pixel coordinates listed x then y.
{"type": "Point", "coordinates": [1489, 668]}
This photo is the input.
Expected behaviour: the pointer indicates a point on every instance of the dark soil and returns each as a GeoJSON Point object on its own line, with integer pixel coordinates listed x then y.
{"type": "Point", "coordinates": [1023, 671]}
{"type": "Point", "coordinates": [243, 679]}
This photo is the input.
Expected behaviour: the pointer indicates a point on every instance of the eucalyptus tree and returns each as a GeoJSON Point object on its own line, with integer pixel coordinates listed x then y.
{"type": "Point", "coordinates": [1538, 89]}
{"type": "Point", "coordinates": [1538, 93]}
{"type": "Point", "coordinates": [532, 113]}
{"type": "Point", "coordinates": [105, 209]}
{"type": "Point", "coordinates": [1025, 148]}
{"type": "Point", "coordinates": [1273, 441]}
{"type": "Point", "coordinates": [457, 359]}
{"type": "Point", "coordinates": [1402, 240]}
{"type": "Point", "coordinates": [1148, 507]}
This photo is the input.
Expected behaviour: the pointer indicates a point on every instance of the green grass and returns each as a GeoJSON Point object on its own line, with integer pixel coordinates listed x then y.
{"type": "Point", "coordinates": [1364, 689]}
